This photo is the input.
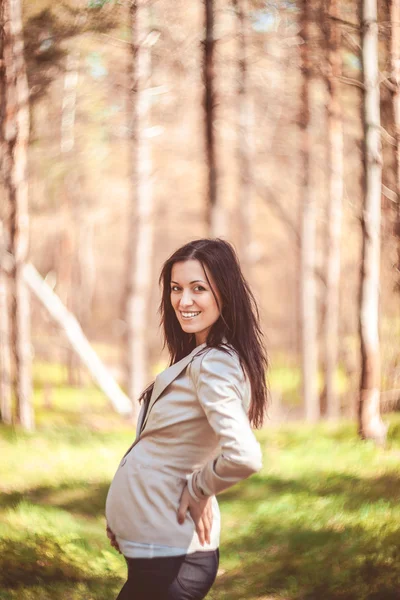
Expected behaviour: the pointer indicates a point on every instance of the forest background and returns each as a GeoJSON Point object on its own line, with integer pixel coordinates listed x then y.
{"type": "Point", "coordinates": [136, 145]}
{"type": "Point", "coordinates": [82, 188]}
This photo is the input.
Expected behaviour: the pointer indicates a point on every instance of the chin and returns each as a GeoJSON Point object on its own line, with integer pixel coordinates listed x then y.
{"type": "Point", "coordinates": [190, 329]}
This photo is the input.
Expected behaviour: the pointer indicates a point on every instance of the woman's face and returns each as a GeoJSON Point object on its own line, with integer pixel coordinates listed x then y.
{"type": "Point", "coordinates": [192, 299]}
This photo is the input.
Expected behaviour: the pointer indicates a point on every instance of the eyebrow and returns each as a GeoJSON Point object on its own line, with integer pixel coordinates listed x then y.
{"type": "Point", "coordinates": [195, 281]}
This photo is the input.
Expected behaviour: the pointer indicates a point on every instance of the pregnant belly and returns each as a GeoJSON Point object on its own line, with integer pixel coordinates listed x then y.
{"type": "Point", "coordinates": [142, 505]}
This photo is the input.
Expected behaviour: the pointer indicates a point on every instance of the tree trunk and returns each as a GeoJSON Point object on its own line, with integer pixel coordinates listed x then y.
{"type": "Point", "coordinates": [2, 111]}
{"type": "Point", "coordinates": [16, 135]}
{"type": "Point", "coordinates": [370, 424]}
{"type": "Point", "coordinates": [245, 201]}
{"type": "Point", "coordinates": [214, 214]}
{"type": "Point", "coordinates": [5, 360]}
{"type": "Point", "coordinates": [395, 81]}
{"type": "Point", "coordinates": [68, 287]}
{"type": "Point", "coordinates": [77, 339]}
{"type": "Point", "coordinates": [335, 157]}
{"type": "Point", "coordinates": [5, 357]}
{"type": "Point", "coordinates": [308, 236]}
{"type": "Point", "coordinates": [87, 266]}
{"type": "Point", "coordinates": [140, 236]}
{"type": "Point", "coordinates": [67, 253]}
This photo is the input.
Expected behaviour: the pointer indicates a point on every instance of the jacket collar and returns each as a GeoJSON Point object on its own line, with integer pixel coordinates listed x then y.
{"type": "Point", "coordinates": [166, 377]}
{"type": "Point", "coordinates": [169, 374]}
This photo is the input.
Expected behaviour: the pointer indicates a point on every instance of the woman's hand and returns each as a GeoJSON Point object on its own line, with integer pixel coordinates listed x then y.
{"type": "Point", "coordinates": [112, 539]}
{"type": "Point", "coordinates": [201, 513]}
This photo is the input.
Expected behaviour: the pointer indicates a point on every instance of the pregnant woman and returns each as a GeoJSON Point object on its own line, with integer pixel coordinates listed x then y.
{"type": "Point", "coordinates": [194, 436]}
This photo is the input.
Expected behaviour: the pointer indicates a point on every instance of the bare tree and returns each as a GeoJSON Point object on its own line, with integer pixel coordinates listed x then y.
{"type": "Point", "coordinates": [370, 424]}
{"type": "Point", "coordinates": [308, 233]}
{"type": "Point", "coordinates": [244, 159]}
{"type": "Point", "coordinates": [335, 158]}
{"type": "Point", "coordinates": [67, 255]}
{"type": "Point", "coordinates": [140, 241]}
{"type": "Point", "coordinates": [395, 84]}
{"type": "Point", "coordinates": [214, 215]}
{"type": "Point", "coordinates": [5, 362]}
{"type": "Point", "coordinates": [5, 358]}
{"type": "Point", "coordinates": [16, 135]}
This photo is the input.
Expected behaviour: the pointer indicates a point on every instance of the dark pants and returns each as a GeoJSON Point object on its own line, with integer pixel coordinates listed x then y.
{"type": "Point", "coordinates": [187, 577]}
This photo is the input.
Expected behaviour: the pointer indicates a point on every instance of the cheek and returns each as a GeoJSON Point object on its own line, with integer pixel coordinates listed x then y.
{"type": "Point", "coordinates": [214, 308]}
{"type": "Point", "coordinates": [218, 308]}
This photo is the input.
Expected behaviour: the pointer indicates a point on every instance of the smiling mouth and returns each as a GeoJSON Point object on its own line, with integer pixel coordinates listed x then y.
{"type": "Point", "coordinates": [189, 315]}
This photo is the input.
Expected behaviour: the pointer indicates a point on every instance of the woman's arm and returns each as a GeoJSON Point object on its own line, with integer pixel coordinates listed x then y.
{"type": "Point", "coordinates": [221, 387]}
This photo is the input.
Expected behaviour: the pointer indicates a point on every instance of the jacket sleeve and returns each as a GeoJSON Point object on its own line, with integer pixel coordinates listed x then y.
{"type": "Point", "coordinates": [222, 391]}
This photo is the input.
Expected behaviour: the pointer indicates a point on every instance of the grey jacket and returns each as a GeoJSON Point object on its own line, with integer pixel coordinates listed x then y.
{"type": "Point", "coordinates": [195, 426]}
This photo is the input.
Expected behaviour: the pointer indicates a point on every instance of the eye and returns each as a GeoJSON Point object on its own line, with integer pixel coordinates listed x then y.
{"type": "Point", "coordinates": [199, 288]}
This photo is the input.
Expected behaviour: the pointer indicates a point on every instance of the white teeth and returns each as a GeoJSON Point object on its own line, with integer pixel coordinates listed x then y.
{"type": "Point", "coordinates": [189, 315]}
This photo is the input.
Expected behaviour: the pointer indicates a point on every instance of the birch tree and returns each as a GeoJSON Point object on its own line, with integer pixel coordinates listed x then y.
{"type": "Point", "coordinates": [308, 232]}
{"type": "Point", "coordinates": [335, 160]}
{"type": "Point", "coordinates": [15, 134]}
{"type": "Point", "coordinates": [140, 237]}
{"type": "Point", "coordinates": [370, 424]}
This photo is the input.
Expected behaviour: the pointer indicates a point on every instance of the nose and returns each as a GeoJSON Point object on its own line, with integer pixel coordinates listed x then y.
{"type": "Point", "coordinates": [186, 299]}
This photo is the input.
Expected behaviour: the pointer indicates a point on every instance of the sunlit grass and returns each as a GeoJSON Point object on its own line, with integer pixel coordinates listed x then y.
{"type": "Point", "coordinates": [58, 405]}
{"type": "Point", "coordinates": [321, 520]}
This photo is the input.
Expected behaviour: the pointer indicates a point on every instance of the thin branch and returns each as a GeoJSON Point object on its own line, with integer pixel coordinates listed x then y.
{"type": "Point", "coordinates": [389, 138]}
{"type": "Point", "coordinates": [113, 40]}
{"type": "Point", "coordinates": [350, 81]}
{"type": "Point", "coordinates": [387, 83]}
{"type": "Point", "coordinates": [353, 43]}
{"type": "Point", "coordinates": [354, 26]}
{"type": "Point", "coordinates": [389, 194]}
{"type": "Point", "coordinates": [268, 196]}
{"type": "Point", "coordinates": [319, 273]}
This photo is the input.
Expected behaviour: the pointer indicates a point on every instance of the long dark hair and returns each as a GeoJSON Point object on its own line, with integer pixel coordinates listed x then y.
{"type": "Point", "coordinates": [239, 320]}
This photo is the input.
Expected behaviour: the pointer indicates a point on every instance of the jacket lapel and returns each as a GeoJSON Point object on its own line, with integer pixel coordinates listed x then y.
{"type": "Point", "coordinates": [140, 420]}
{"type": "Point", "coordinates": [161, 382]}
{"type": "Point", "coordinates": [166, 377]}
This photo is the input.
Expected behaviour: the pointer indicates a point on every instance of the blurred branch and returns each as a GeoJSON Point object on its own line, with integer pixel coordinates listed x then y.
{"type": "Point", "coordinates": [269, 198]}
{"type": "Point", "coordinates": [390, 399]}
{"type": "Point", "coordinates": [387, 83]}
{"type": "Point", "coordinates": [354, 26]}
{"type": "Point", "coordinates": [77, 339]}
{"type": "Point", "coordinates": [319, 273]}
{"type": "Point", "coordinates": [389, 24]}
{"type": "Point", "coordinates": [352, 42]}
{"type": "Point", "coordinates": [113, 40]}
{"type": "Point", "coordinates": [389, 194]}
{"type": "Point", "coordinates": [350, 81]}
{"type": "Point", "coordinates": [389, 138]}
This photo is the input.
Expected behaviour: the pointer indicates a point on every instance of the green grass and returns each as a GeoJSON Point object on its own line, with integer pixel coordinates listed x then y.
{"type": "Point", "coordinates": [321, 521]}
{"type": "Point", "coordinates": [286, 380]}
